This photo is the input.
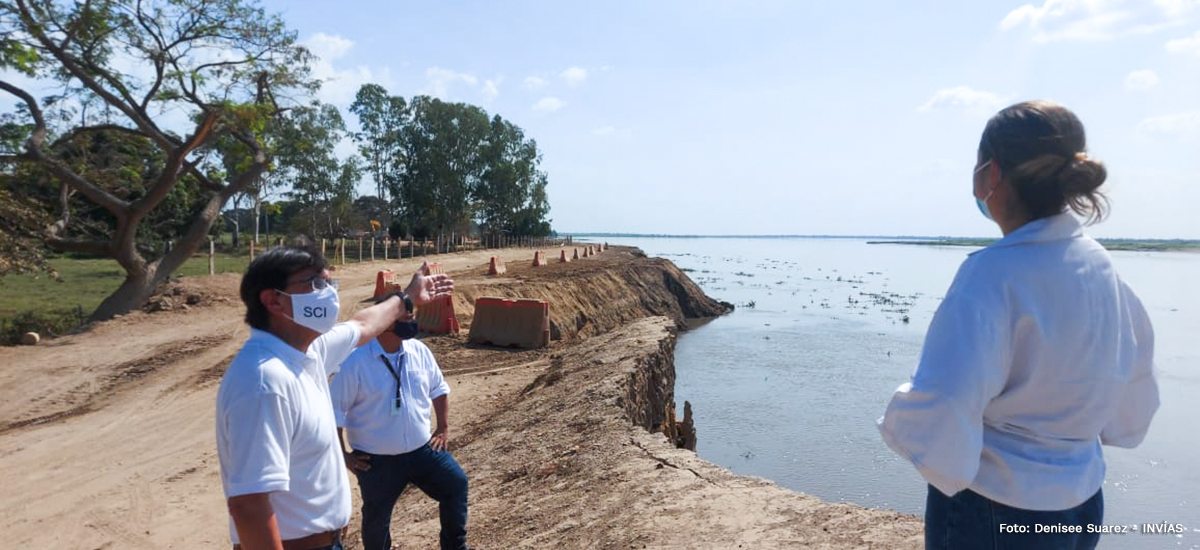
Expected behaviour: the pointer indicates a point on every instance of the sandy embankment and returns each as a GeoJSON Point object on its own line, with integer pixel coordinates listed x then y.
{"type": "Point", "coordinates": [106, 438]}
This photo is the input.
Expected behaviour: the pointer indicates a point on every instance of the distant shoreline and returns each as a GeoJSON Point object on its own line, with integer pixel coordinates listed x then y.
{"type": "Point", "coordinates": [1143, 245]}
{"type": "Point", "coordinates": [1110, 244]}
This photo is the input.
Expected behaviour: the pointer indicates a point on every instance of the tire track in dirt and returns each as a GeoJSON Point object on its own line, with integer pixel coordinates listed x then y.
{"type": "Point", "coordinates": [115, 378]}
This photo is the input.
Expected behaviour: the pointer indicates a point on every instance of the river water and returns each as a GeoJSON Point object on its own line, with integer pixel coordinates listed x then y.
{"type": "Point", "coordinates": [788, 386]}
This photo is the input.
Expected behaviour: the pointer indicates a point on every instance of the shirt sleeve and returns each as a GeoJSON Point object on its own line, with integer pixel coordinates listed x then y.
{"type": "Point", "coordinates": [258, 435]}
{"type": "Point", "coordinates": [333, 347]}
{"type": "Point", "coordinates": [343, 390]}
{"type": "Point", "coordinates": [437, 383]}
{"type": "Point", "coordinates": [1139, 399]}
{"type": "Point", "coordinates": [936, 420]}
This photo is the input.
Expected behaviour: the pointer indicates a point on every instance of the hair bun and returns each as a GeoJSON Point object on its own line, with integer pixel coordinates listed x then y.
{"type": "Point", "coordinates": [1082, 175]}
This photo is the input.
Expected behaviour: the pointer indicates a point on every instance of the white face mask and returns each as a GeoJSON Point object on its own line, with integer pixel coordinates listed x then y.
{"type": "Point", "coordinates": [982, 204]}
{"type": "Point", "coordinates": [316, 310]}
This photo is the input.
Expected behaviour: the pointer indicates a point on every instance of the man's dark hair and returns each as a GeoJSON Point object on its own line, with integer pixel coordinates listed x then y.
{"type": "Point", "coordinates": [272, 269]}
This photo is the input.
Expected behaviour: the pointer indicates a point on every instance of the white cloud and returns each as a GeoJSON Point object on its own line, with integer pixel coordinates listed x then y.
{"type": "Point", "coordinates": [491, 89]}
{"type": "Point", "coordinates": [1177, 124]}
{"type": "Point", "coordinates": [548, 105]}
{"type": "Point", "coordinates": [605, 131]}
{"type": "Point", "coordinates": [1185, 45]}
{"type": "Point", "coordinates": [534, 83]}
{"type": "Point", "coordinates": [327, 46]}
{"type": "Point", "coordinates": [1177, 7]}
{"type": "Point", "coordinates": [339, 85]}
{"type": "Point", "coordinates": [1096, 19]}
{"type": "Point", "coordinates": [1141, 80]}
{"type": "Point", "coordinates": [963, 96]}
{"type": "Point", "coordinates": [575, 76]}
{"type": "Point", "coordinates": [440, 80]}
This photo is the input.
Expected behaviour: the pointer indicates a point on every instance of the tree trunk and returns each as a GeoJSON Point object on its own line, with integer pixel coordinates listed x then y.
{"type": "Point", "coordinates": [237, 221]}
{"type": "Point", "coordinates": [143, 278]}
{"type": "Point", "coordinates": [257, 213]}
{"type": "Point", "coordinates": [133, 292]}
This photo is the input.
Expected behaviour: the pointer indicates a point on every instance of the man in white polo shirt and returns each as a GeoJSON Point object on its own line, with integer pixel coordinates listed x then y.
{"type": "Point", "coordinates": [382, 398]}
{"type": "Point", "coordinates": [281, 463]}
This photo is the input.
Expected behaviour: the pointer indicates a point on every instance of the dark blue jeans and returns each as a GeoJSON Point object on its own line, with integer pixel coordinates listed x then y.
{"type": "Point", "coordinates": [435, 473]}
{"type": "Point", "coordinates": [970, 521]}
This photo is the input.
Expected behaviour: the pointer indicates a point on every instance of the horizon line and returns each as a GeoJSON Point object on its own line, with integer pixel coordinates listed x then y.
{"type": "Point", "coordinates": [817, 236]}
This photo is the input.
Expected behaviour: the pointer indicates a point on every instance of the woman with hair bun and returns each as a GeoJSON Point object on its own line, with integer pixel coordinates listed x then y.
{"type": "Point", "coordinates": [1038, 355]}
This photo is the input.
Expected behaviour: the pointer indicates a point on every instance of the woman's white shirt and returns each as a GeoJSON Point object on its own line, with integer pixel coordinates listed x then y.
{"type": "Point", "coordinates": [1037, 355]}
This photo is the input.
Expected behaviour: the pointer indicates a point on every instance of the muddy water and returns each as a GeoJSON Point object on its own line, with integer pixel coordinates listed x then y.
{"type": "Point", "coordinates": [788, 387]}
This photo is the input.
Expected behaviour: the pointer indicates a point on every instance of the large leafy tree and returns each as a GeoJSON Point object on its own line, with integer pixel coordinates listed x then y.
{"type": "Point", "coordinates": [442, 162]}
{"type": "Point", "coordinates": [382, 118]}
{"type": "Point", "coordinates": [306, 161]}
{"type": "Point", "coordinates": [128, 67]}
{"type": "Point", "coordinates": [510, 195]}
{"type": "Point", "coordinates": [446, 165]}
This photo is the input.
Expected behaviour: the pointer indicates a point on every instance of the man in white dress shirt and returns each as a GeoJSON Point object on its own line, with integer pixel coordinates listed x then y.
{"type": "Point", "coordinates": [382, 398]}
{"type": "Point", "coordinates": [282, 468]}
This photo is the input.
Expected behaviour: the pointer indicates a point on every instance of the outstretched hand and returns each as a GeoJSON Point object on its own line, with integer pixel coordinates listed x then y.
{"type": "Point", "coordinates": [425, 288]}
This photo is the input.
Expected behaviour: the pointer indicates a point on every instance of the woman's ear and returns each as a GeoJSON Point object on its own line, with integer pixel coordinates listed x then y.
{"type": "Point", "coordinates": [987, 180]}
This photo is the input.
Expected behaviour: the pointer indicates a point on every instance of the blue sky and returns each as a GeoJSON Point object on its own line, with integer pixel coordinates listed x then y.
{"type": "Point", "coordinates": [790, 117]}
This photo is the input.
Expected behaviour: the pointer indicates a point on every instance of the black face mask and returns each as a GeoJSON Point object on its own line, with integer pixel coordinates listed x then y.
{"type": "Point", "coordinates": [406, 329]}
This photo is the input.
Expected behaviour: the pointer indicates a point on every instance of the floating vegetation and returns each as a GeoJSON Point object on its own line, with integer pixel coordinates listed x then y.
{"type": "Point", "coordinates": [749, 304]}
{"type": "Point", "coordinates": [744, 274]}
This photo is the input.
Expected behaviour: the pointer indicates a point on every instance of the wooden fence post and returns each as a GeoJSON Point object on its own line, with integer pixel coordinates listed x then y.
{"type": "Point", "coordinates": [212, 268]}
{"type": "Point", "coordinates": [252, 250]}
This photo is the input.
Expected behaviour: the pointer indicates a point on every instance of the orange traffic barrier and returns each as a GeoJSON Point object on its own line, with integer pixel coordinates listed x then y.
{"type": "Point", "coordinates": [539, 258]}
{"type": "Point", "coordinates": [562, 256]}
{"type": "Point", "coordinates": [497, 266]}
{"type": "Point", "coordinates": [516, 323]}
{"type": "Point", "coordinates": [438, 317]}
{"type": "Point", "coordinates": [385, 281]}
{"type": "Point", "coordinates": [576, 256]}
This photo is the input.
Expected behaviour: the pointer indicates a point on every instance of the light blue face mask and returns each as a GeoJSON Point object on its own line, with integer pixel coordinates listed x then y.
{"type": "Point", "coordinates": [982, 204]}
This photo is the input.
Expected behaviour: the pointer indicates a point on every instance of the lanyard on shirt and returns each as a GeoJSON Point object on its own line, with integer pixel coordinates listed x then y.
{"type": "Point", "coordinates": [396, 374]}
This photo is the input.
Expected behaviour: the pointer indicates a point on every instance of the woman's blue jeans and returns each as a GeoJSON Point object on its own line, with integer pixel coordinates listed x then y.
{"type": "Point", "coordinates": [435, 473]}
{"type": "Point", "coordinates": [970, 521]}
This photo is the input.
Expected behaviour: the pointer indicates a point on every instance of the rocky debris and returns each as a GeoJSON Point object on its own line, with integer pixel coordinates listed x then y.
{"type": "Point", "coordinates": [175, 296]}
{"type": "Point", "coordinates": [684, 435]}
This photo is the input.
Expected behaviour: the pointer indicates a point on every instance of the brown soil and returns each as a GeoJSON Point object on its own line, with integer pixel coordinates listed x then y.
{"type": "Point", "coordinates": [106, 437]}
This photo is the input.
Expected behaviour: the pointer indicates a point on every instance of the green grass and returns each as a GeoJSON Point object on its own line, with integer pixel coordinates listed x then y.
{"type": "Point", "coordinates": [84, 283]}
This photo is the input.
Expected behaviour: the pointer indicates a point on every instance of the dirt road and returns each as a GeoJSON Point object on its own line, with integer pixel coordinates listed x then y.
{"type": "Point", "coordinates": [106, 437]}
